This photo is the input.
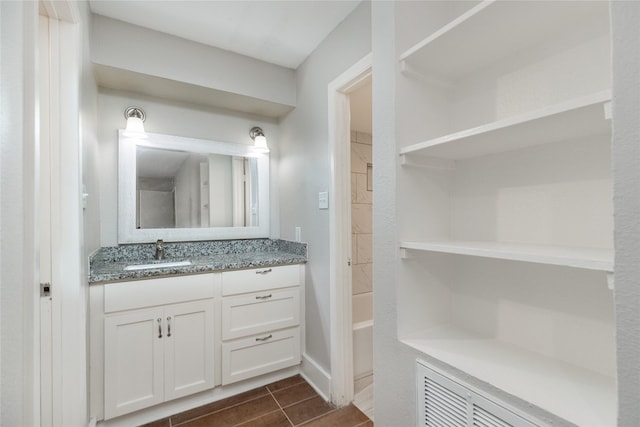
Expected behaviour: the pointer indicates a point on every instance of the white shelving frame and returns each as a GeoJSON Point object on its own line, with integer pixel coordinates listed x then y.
{"type": "Point", "coordinates": [579, 117]}
{"type": "Point", "coordinates": [584, 397]}
{"type": "Point", "coordinates": [464, 45]}
{"type": "Point", "coordinates": [586, 258]}
{"type": "Point", "coordinates": [455, 52]}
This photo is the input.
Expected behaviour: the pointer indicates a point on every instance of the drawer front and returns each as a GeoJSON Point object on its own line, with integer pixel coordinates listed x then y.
{"type": "Point", "coordinates": [260, 279]}
{"type": "Point", "coordinates": [153, 292]}
{"type": "Point", "coordinates": [252, 314]}
{"type": "Point", "coordinates": [248, 357]}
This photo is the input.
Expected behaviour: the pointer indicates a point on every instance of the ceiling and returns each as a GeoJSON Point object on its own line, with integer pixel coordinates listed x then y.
{"type": "Point", "coordinates": [279, 32]}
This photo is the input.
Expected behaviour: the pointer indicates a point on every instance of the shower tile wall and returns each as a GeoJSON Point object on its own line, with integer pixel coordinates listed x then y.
{"type": "Point", "coordinates": [361, 212]}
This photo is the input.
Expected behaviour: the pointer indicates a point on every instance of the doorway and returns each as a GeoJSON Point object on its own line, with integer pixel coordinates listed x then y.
{"type": "Point", "coordinates": [362, 246]}
{"type": "Point", "coordinates": [340, 224]}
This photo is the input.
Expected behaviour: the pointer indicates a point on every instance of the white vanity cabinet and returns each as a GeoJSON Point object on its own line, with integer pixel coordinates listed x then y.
{"type": "Point", "coordinates": [158, 341]}
{"type": "Point", "coordinates": [260, 321]}
{"type": "Point", "coordinates": [159, 354]}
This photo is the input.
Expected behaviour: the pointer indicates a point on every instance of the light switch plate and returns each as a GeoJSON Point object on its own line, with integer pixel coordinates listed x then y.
{"type": "Point", "coordinates": [323, 200]}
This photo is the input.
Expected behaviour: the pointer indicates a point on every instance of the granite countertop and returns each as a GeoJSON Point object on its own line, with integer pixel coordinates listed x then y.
{"type": "Point", "coordinates": [108, 264]}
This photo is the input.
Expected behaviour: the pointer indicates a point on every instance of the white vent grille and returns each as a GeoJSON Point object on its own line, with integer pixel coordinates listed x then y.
{"type": "Point", "coordinates": [482, 418]}
{"type": "Point", "coordinates": [444, 402]}
{"type": "Point", "coordinates": [443, 407]}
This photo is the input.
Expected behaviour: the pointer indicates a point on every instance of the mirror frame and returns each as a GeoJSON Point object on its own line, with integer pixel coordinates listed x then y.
{"type": "Point", "coordinates": [127, 231]}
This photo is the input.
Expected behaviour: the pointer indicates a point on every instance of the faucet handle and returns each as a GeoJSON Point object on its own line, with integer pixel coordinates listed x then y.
{"type": "Point", "coordinates": [159, 250]}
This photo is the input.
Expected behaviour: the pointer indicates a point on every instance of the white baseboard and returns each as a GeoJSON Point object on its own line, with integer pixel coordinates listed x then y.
{"type": "Point", "coordinates": [315, 375]}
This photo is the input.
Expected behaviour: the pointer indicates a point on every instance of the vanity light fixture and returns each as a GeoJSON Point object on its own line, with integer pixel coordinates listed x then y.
{"type": "Point", "coordinates": [259, 140]}
{"type": "Point", "coordinates": [135, 117]}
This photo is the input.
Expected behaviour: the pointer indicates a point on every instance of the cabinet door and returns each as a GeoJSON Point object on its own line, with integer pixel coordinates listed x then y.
{"type": "Point", "coordinates": [133, 361]}
{"type": "Point", "coordinates": [252, 314]}
{"type": "Point", "coordinates": [189, 354]}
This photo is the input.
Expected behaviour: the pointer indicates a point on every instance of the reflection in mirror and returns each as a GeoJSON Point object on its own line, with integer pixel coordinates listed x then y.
{"type": "Point", "coordinates": [185, 189]}
{"type": "Point", "coordinates": [178, 189]}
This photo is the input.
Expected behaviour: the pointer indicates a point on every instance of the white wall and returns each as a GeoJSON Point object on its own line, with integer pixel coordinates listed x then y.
{"type": "Point", "coordinates": [394, 399]}
{"type": "Point", "coordinates": [19, 290]}
{"type": "Point", "coordinates": [18, 251]}
{"type": "Point", "coordinates": [626, 155]}
{"type": "Point", "coordinates": [170, 118]}
{"type": "Point", "coordinates": [305, 166]}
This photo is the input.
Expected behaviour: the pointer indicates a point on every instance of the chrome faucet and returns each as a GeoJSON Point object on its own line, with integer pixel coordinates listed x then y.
{"type": "Point", "coordinates": [159, 249]}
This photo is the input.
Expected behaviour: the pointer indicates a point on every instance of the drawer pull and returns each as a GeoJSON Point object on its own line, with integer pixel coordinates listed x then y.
{"type": "Point", "coordinates": [159, 327]}
{"type": "Point", "coordinates": [264, 296]}
{"type": "Point", "coordinates": [268, 270]}
{"type": "Point", "coordinates": [169, 326]}
{"type": "Point", "coordinates": [265, 338]}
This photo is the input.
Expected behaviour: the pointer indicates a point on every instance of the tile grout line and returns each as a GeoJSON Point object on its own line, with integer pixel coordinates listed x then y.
{"type": "Point", "coordinates": [300, 401]}
{"type": "Point", "coordinates": [318, 417]}
{"type": "Point", "coordinates": [280, 406]}
{"type": "Point", "coordinates": [256, 418]}
{"type": "Point", "coordinates": [266, 387]}
{"type": "Point", "coordinates": [219, 410]}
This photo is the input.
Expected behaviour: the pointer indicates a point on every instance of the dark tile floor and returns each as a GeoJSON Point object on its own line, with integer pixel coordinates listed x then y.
{"type": "Point", "coordinates": [288, 402]}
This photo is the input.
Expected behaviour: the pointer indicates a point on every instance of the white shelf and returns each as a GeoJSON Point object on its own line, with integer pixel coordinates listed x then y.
{"type": "Point", "coordinates": [579, 117]}
{"type": "Point", "coordinates": [583, 397]}
{"type": "Point", "coordinates": [586, 258]}
{"type": "Point", "coordinates": [493, 30]}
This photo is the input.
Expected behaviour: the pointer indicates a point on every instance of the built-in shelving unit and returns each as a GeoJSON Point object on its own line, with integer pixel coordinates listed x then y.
{"type": "Point", "coordinates": [515, 166]}
{"type": "Point", "coordinates": [587, 258]}
{"type": "Point", "coordinates": [576, 118]}
{"type": "Point", "coordinates": [579, 395]}
{"type": "Point", "coordinates": [493, 30]}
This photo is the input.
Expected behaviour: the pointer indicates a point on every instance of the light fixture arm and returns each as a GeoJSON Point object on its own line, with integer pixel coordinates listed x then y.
{"type": "Point", "coordinates": [135, 112]}
{"type": "Point", "coordinates": [255, 132]}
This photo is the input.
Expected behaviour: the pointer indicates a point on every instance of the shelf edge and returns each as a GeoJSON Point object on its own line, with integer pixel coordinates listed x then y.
{"type": "Point", "coordinates": [445, 29]}
{"type": "Point", "coordinates": [587, 263]}
{"type": "Point", "coordinates": [592, 99]}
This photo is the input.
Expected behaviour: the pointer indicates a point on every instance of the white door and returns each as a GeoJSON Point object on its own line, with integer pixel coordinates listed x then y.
{"type": "Point", "coordinates": [133, 361]}
{"type": "Point", "coordinates": [189, 354]}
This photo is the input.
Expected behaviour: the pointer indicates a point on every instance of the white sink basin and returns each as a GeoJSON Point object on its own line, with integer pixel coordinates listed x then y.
{"type": "Point", "coordinates": [168, 264]}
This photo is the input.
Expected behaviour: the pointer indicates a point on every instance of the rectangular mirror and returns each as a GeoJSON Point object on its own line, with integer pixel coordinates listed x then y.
{"type": "Point", "coordinates": [184, 189]}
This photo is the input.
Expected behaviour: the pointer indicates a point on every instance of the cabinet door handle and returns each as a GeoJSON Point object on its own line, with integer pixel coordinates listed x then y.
{"type": "Point", "coordinates": [268, 270]}
{"type": "Point", "coordinates": [264, 296]}
{"type": "Point", "coordinates": [169, 326]}
{"type": "Point", "coordinates": [265, 338]}
{"type": "Point", "coordinates": [159, 327]}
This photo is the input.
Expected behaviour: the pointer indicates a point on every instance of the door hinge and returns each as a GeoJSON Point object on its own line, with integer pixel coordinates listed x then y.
{"type": "Point", "coordinates": [45, 289]}
{"type": "Point", "coordinates": [349, 262]}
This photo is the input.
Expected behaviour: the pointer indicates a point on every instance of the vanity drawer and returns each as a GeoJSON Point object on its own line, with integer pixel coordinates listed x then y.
{"type": "Point", "coordinates": [153, 292]}
{"type": "Point", "coordinates": [260, 279]}
{"type": "Point", "coordinates": [251, 314]}
{"type": "Point", "coordinates": [248, 357]}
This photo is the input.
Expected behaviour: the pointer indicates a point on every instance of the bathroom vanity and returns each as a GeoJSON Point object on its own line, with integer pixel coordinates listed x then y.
{"type": "Point", "coordinates": [233, 313]}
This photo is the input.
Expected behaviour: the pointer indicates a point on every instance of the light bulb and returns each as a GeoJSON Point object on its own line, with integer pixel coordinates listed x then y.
{"type": "Point", "coordinates": [260, 144]}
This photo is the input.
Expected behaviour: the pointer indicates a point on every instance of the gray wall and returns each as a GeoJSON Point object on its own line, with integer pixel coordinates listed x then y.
{"type": "Point", "coordinates": [626, 157]}
{"type": "Point", "coordinates": [305, 166]}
